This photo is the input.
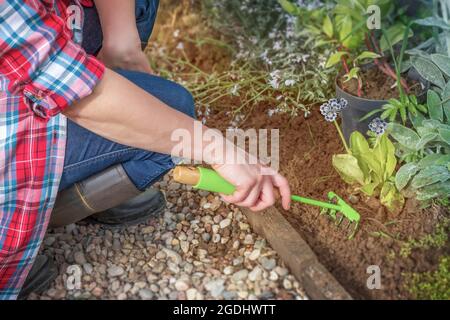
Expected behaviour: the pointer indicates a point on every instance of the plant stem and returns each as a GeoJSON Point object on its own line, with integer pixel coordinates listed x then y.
{"type": "Point", "coordinates": [341, 135]}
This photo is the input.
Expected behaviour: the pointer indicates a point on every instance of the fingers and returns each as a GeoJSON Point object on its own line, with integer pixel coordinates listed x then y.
{"type": "Point", "coordinates": [267, 197]}
{"type": "Point", "coordinates": [252, 197]}
{"type": "Point", "coordinates": [282, 184]}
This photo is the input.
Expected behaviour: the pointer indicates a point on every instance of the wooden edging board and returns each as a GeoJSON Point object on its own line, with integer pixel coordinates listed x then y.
{"type": "Point", "coordinates": [317, 281]}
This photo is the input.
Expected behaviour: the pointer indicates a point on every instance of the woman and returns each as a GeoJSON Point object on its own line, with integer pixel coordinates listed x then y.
{"type": "Point", "coordinates": [98, 130]}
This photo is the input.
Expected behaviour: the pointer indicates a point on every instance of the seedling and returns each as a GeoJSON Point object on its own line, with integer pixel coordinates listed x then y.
{"type": "Point", "coordinates": [206, 179]}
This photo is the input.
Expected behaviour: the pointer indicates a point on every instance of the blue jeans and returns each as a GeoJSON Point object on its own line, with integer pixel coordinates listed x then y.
{"type": "Point", "coordinates": [88, 153]}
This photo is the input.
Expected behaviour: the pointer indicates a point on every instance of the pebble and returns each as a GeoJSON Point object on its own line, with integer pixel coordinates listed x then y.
{"type": "Point", "coordinates": [268, 264]}
{"type": "Point", "coordinates": [254, 255]}
{"type": "Point", "coordinates": [146, 294]}
{"type": "Point", "coordinates": [255, 274]}
{"type": "Point", "coordinates": [240, 275]}
{"type": "Point", "coordinates": [215, 287]}
{"type": "Point", "coordinates": [79, 257]}
{"type": "Point", "coordinates": [180, 285]}
{"type": "Point", "coordinates": [187, 253]}
{"type": "Point", "coordinates": [115, 271]}
{"type": "Point", "coordinates": [224, 223]}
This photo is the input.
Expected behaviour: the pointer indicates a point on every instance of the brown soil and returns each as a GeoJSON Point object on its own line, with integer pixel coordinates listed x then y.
{"type": "Point", "coordinates": [376, 85]}
{"type": "Point", "coordinates": [305, 153]}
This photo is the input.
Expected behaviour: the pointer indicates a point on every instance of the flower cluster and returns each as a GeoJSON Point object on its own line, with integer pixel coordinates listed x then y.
{"type": "Point", "coordinates": [378, 126]}
{"type": "Point", "coordinates": [332, 108]}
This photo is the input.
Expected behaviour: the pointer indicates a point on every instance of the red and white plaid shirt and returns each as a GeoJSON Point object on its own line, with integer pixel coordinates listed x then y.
{"type": "Point", "coordinates": [42, 71]}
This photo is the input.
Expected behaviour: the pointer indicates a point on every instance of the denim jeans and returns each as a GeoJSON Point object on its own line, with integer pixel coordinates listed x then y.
{"type": "Point", "coordinates": [88, 153]}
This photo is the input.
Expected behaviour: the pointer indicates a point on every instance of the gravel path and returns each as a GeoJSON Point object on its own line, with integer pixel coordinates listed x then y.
{"type": "Point", "coordinates": [199, 249]}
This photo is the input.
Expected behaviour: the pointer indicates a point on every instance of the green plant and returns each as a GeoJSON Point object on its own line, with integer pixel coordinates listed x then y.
{"type": "Point", "coordinates": [431, 285]}
{"type": "Point", "coordinates": [425, 149]}
{"type": "Point", "coordinates": [371, 167]}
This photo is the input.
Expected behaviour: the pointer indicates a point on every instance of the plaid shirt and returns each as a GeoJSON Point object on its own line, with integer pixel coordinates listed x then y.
{"type": "Point", "coordinates": [42, 71]}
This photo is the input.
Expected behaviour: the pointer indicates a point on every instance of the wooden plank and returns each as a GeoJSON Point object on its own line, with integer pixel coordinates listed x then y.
{"type": "Point", "coordinates": [317, 281]}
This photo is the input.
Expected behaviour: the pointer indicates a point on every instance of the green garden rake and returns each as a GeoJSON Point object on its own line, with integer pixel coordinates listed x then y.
{"type": "Point", "coordinates": [209, 180]}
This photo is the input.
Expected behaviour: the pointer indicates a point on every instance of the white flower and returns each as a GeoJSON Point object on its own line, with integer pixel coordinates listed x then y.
{"type": "Point", "coordinates": [274, 83]}
{"type": "Point", "coordinates": [289, 82]}
{"type": "Point", "coordinates": [235, 90]}
{"type": "Point", "coordinates": [277, 46]}
{"type": "Point", "coordinates": [176, 33]}
{"type": "Point", "coordinates": [180, 46]}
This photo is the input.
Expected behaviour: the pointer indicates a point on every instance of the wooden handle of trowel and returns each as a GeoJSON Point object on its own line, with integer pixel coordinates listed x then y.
{"type": "Point", "coordinates": [191, 176]}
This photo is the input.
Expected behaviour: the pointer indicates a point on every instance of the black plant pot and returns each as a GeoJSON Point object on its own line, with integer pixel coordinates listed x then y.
{"type": "Point", "coordinates": [358, 107]}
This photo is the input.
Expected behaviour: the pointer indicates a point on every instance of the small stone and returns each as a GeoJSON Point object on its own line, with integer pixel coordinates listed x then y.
{"type": "Point", "coordinates": [216, 238]}
{"type": "Point", "coordinates": [240, 275]}
{"type": "Point", "coordinates": [180, 285]}
{"type": "Point", "coordinates": [184, 245]}
{"type": "Point", "coordinates": [248, 239]}
{"type": "Point", "coordinates": [49, 241]}
{"type": "Point", "coordinates": [215, 287]}
{"type": "Point", "coordinates": [191, 294]}
{"type": "Point", "coordinates": [206, 237]}
{"type": "Point", "coordinates": [228, 270]}
{"type": "Point", "coordinates": [115, 271]}
{"type": "Point", "coordinates": [97, 292]}
{"type": "Point", "coordinates": [146, 294]}
{"type": "Point", "coordinates": [281, 271]}
{"type": "Point", "coordinates": [254, 255]}
{"type": "Point", "coordinates": [79, 258]}
{"type": "Point", "coordinates": [268, 264]}
{"type": "Point", "coordinates": [287, 284]}
{"type": "Point", "coordinates": [273, 276]}
{"type": "Point", "coordinates": [88, 268]}
{"type": "Point", "coordinates": [175, 257]}
{"type": "Point", "coordinates": [224, 223]}
{"type": "Point", "coordinates": [255, 274]}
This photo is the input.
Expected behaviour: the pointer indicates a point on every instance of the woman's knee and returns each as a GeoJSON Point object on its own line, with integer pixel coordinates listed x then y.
{"type": "Point", "coordinates": [184, 101]}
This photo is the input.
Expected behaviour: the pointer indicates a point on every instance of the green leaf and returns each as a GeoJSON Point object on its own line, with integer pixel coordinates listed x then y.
{"type": "Point", "coordinates": [404, 175]}
{"type": "Point", "coordinates": [345, 32]}
{"type": "Point", "coordinates": [416, 120]}
{"type": "Point", "coordinates": [433, 22]}
{"type": "Point", "coordinates": [335, 58]}
{"type": "Point", "coordinates": [445, 97]}
{"type": "Point", "coordinates": [369, 188]}
{"type": "Point", "coordinates": [443, 62]}
{"type": "Point", "coordinates": [353, 74]}
{"type": "Point", "coordinates": [434, 160]}
{"type": "Point", "coordinates": [425, 139]}
{"type": "Point", "coordinates": [405, 136]}
{"type": "Point", "coordinates": [445, 135]}
{"type": "Point", "coordinates": [428, 70]}
{"type": "Point", "coordinates": [430, 175]}
{"type": "Point", "coordinates": [388, 150]}
{"type": "Point", "coordinates": [328, 27]}
{"type": "Point", "coordinates": [347, 167]}
{"type": "Point", "coordinates": [367, 55]}
{"type": "Point", "coordinates": [359, 147]}
{"type": "Point", "coordinates": [390, 197]}
{"type": "Point", "coordinates": [288, 6]}
{"type": "Point", "coordinates": [437, 190]}
{"type": "Point", "coordinates": [394, 34]}
{"type": "Point", "coordinates": [434, 106]}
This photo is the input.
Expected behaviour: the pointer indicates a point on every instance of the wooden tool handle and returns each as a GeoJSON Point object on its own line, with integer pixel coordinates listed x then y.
{"type": "Point", "coordinates": [186, 175]}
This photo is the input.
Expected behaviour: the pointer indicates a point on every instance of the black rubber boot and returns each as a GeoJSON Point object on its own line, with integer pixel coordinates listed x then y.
{"type": "Point", "coordinates": [41, 275]}
{"type": "Point", "coordinates": [109, 197]}
{"type": "Point", "coordinates": [148, 204]}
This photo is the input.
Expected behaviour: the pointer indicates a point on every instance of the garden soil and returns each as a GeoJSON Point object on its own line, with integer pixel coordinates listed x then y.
{"type": "Point", "coordinates": [306, 149]}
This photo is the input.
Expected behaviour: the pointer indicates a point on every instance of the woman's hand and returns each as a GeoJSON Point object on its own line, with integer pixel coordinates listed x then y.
{"type": "Point", "coordinates": [127, 56]}
{"type": "Point", "coordinates": [255, 185]}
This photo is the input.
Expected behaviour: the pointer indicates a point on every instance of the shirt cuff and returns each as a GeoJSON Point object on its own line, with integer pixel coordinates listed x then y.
{"type": "Point", "coordinates": [68, 76]}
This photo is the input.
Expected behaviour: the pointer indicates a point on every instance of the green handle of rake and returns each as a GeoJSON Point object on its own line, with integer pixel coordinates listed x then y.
{"type": "Point", "coordinates": [209, 180]}
{"type": "Point", "coordinates": [316, 203]}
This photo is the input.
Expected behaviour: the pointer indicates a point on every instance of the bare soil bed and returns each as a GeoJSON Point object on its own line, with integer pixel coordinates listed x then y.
{"type": "Point", "coordinates": [306, 148]}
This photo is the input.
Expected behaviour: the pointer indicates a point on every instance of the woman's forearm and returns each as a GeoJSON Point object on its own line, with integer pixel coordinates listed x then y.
{"type": "Point", "coordinates": [118, 21]}
{"type": "Point", "coordinates": [122, 112]}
